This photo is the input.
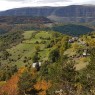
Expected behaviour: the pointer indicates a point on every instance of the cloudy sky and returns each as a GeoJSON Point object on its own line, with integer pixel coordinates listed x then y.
{"type": "Point", "coordinates": [9, 4]}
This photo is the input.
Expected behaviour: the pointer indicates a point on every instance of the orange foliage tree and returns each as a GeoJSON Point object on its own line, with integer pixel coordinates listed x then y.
{"type": "Point", "coordinates": [11, 87]}
{"type": "Point", "coordinates": [42, 87]}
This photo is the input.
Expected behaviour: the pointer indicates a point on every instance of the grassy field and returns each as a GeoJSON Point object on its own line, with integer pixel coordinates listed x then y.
{"type": "Point", "coordinates": [27, 34]}
{"type": "Point", "coordinates": [27, 48]}
{"type": "Point", "coordinates": [81, 62]}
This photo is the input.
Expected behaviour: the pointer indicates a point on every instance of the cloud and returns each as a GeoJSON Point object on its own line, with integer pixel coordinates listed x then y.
{"type": "Point", "coordinates": [90, 2]}
{"type": "Point", "coordinates": [53, 1]}
{"type": "Point", "coordinates": [43, 1]}
{"type": "Point", "coordinates": [9, 4]}
{"type": "Point", "coordinates": [16, 0]}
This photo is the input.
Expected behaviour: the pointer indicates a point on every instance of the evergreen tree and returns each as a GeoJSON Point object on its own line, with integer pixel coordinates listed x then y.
{"type": "Point", "coordinates": [54, 55]}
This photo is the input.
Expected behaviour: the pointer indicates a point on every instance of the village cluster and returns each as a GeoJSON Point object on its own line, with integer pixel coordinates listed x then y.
{"type": "Point", "coordinates": [80, 42]}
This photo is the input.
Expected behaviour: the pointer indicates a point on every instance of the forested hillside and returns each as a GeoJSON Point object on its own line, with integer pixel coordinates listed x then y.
{"type": "Point", "coordinates": [22, 23]}
{"type": "Point", "coordinates": [43, 57]}
{"type": "Point", "coordinates": [23, 19]}
{"type": "Point", "coordinates": [47, 63]}
{"type": "Point", "coordinates": [26, 23]}
{"type": "Point", "coordinates": [73, 29]}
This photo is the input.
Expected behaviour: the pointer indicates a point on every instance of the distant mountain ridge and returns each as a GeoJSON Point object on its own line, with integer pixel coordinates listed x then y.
{"type": "Point", "coordinates": [23, 20]}
{"type": "Point", "coordinates": [73, 13]}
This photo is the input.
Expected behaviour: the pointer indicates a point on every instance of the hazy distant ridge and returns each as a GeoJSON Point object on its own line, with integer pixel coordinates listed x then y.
{"type": "Point", "coordinates": [73, 13]}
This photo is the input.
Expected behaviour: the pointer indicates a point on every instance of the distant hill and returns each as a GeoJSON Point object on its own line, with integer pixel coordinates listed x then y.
{"type": "Point", "coordinates": [25, 23]}
{"type": "Point", "coordinates": [21, 23]}
{"type": "Point", "coordinates": [23, 20]}
{"type": "Point", "coordinates": [73, 29]}
{"type": "Point", "coordinates": [73, 13]}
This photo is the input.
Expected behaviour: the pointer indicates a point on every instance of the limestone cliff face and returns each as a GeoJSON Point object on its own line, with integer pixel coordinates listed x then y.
{"type": "Point", "coordinates": [74, 13]}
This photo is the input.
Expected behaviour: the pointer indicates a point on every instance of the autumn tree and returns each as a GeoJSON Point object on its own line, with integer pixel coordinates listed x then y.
{"type": "Point", "coordinates": [42, 87]}
{"type": "Point", "coordinates": [10, 87]}
{"type": "Point", "coordinates": [26, 83]}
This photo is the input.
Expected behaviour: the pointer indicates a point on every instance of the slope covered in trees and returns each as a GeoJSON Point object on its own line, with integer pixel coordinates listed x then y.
{"type": "Point", "coordinates": [73, 29]}
{"type": "Point", "coordinates": [23, 19]}
{"type": "Point", "coordinates": [22, 23]}
{"type": "Point", "coordinates": [67, 63]}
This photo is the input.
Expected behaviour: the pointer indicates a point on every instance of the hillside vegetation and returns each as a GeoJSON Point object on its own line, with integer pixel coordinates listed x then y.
{"type": "Point", "coordinates": [22, 23]}
{"type": "Point", "coordinates": [41, 57]}
{"type": "Point", "coordinates": [73, 29]}
{"type": "Point", "coordinates": [67, 63]}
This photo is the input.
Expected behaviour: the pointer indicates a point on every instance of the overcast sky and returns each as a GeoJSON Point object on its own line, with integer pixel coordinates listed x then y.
{"type": "Point", "coordinates": [9, 4]}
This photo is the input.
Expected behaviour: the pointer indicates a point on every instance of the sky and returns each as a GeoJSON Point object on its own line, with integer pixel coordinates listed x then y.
{"type": "Point", "coordinates": [9, 4]}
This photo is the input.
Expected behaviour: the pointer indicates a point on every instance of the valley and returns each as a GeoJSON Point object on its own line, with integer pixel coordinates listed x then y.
{"type": "Point", "coordinates": [47, 51]}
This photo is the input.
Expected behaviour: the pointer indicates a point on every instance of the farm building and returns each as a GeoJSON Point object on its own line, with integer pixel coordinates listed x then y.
{"type": "Point", "coordinates": [36, 65]}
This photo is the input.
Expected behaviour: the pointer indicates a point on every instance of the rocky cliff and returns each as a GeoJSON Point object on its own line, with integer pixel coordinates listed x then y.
{"type": "Point", "coordinates": [73, 13]}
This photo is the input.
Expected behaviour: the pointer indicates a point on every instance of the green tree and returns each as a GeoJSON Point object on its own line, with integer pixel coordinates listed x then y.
{"type": "Point", "coordinates": [37, 48]}
{"type": "Point", "coordinates": [69, 72]}
{"type": "Point", "coordinates": [5, 54]}
{"type": "Point", "coordinates": [44, 71]}
{"type": "Point", "coordinates": [35, 58]}
{"type": "Point", "coordinates": [54, 55]}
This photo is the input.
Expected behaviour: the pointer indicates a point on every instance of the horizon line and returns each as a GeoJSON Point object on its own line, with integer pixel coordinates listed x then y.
{"type": "Point", "coordinates": [91, 5]}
